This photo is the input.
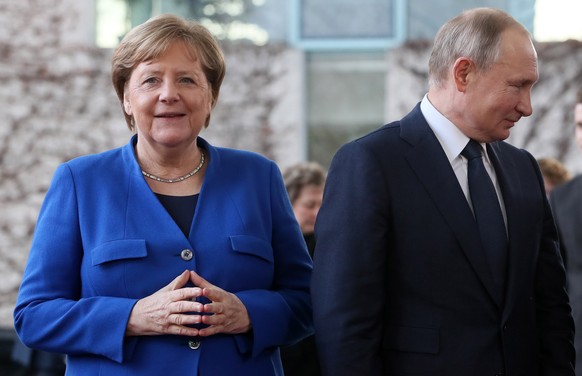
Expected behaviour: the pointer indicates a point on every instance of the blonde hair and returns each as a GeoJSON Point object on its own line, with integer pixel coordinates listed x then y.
{"type": "Point", "coordinates": [152, 39]}
{"type": "Point", "coordinates": [554, 171]}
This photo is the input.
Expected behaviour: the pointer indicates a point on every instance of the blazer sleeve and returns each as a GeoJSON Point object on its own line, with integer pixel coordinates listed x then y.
{"type": "Point", "coordinates": [281, 315]}
{"type": "Point", "coordinates": [50, 312]}
{"type": "Point", "coordinates": [348, 283]}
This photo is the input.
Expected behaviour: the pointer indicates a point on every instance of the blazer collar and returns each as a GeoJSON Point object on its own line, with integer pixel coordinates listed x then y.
{"type": "Point", "coordinates": [142, 201]}
{"type": "Point", "coordinates": [427, 158]}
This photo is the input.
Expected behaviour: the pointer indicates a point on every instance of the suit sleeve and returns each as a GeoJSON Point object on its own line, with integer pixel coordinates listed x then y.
{"type": "Point", "coordinates": [554, 318]}
{"type": "Point", "coordinates": [348, 283]}
{"type": "Point", "coordinates": [50, 312]}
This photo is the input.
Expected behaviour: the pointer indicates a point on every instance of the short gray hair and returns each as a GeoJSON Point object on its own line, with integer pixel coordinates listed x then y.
{"type": "Point", "coordinates": [475, 34]}
{"type": "Point", "coordinates": [298, 176]}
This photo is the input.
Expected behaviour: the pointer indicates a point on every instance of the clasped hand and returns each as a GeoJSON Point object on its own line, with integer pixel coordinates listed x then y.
{"type": "Point", "coordinates": [173, 308]}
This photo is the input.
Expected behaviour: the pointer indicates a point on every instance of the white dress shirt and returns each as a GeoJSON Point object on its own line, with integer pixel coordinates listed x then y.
{"type": "Point", "coordinates": [453, 141]}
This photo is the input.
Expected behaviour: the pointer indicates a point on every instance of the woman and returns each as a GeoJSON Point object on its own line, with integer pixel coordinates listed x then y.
{"type": "Point", "coordinates": [304, 183]}
{"type": "Point", "coordinates": [554, 173]}
{"type": "Point", "coordinates": [168, 256]}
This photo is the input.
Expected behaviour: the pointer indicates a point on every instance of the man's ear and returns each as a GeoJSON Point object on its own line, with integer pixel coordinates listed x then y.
{"type": "Point", "coordinates": [462, 70]}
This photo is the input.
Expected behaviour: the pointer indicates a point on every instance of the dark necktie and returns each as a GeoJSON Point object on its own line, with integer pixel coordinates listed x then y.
{"type": "Point", "coordinates": [487, 212]}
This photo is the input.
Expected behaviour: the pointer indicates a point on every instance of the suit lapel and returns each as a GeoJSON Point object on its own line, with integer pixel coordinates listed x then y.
{"type": "Point", "coordinates": [146, 210]}
{"type": "Point", "coordinates": [510, 185]}
{"type": "Point", "coordinates": [433, 169]}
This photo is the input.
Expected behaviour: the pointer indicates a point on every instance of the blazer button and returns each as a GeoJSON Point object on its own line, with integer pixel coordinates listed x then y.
{"type": "Point", "coordinates": [186, 255]}
{"type": "Point", "coordinates": [194, 344]}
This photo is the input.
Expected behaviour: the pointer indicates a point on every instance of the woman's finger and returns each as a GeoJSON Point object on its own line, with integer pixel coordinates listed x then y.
{"type": "Point", "coordinates": [178, 282]}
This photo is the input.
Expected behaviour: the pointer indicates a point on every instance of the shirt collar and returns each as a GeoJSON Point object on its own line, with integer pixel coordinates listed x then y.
{"type": "Point", "coordinates": [452, 140]}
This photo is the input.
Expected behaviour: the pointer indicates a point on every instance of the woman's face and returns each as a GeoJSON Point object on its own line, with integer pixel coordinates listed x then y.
{"type": "Point", "coordinates": [306, 207]}
{"type": "Point", "coordinates": [169, 98]}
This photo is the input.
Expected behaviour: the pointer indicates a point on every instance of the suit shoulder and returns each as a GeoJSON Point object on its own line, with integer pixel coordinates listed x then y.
{"type": "Point", "coordinates": [509, 148]}
{"type": "Point", "coordinates": [515, 154]}
{"type": "Point", "coordinates": [107, 159]}
{"type": "Point", "coordinates": [243, 163]}
{"type": "Point", "coordinates": [381, 137]}
{"type": "Point", "coordinates": [386, 131]}
{"type": "Point", "coordinates": [570, 189]}
{"type": "Point", "coordinates": [242, 157]}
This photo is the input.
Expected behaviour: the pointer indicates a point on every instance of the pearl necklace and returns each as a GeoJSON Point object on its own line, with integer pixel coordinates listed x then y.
{"type": "Point", "coordinates": [180, 178]}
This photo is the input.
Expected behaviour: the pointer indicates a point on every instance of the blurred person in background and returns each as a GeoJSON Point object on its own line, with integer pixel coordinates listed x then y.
{"type": "Point", "coordinates": [566, 203]}
{"type": "Point", "coordinates": [168, 256]}
{"type": "Point", "coordinates": [554, 173]}
{"type": "Point", "coordinates": [304, 183]}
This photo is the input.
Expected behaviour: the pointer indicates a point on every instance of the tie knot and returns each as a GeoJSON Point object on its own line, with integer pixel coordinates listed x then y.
{"type": "Point", "coordinates": [472, 150]}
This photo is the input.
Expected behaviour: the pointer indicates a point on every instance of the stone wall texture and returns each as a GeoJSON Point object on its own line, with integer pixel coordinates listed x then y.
{"type": "Point", "coordinates": [58, 103]}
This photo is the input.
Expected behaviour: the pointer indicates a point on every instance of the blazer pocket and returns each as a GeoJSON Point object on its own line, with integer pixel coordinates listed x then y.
{"type": "Point", "coordinates": [252, 245]}
{"type": "Point", "coordinates": [412, 339]}
{"type": "Point", "coordinates": [118, 250]}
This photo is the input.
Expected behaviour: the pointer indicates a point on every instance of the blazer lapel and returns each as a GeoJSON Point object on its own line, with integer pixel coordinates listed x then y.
{"type": "Point", "coordinates": [433, 169]}
{"type": "Point", "coordinates": [510, 185]}
{"type": "Point", "coordinates": [146, 210]}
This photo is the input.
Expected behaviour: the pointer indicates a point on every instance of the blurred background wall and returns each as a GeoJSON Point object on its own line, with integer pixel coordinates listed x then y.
{"type": "Point", "coordinates": [303, 77]}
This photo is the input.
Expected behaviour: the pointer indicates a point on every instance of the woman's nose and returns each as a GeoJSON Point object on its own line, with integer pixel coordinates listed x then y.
{"type": "Point", "coordinates": [169, 93]}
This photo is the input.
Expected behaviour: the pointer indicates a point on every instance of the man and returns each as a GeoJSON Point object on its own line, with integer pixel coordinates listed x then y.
{"type": "Point", "coordinates": [566, 203]}
{"type": "Point", "coordinates": [406, 280]}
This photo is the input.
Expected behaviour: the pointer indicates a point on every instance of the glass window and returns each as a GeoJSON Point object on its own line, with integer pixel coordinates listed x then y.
{"type": "Point", "coordinates": [111, 22]}
{"type": "Point", "coordinates": [347, 24]}
{"type": "Point", "coordinates": [226, 19]}
{"type": "Point", "coordinates": [345, 99]}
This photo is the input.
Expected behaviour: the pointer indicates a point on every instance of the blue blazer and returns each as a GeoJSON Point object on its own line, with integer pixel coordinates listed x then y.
{"type": "Point", "coordinates": [401, 285]}
{"type": "Point", "coordinates": [103, 241]}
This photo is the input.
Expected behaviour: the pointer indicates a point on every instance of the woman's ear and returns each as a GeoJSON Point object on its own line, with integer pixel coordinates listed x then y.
{"type": "Point", "coordinates": [126, 105]}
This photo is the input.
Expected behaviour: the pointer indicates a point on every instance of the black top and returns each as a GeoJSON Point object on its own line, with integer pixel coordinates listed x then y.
{"type": "Point", "coordinates": [310, 241]}
{"type": "Point", "coordinates": [181, 209]}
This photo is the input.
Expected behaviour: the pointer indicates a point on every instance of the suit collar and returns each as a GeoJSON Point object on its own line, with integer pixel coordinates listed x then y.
{"type": "Point", "coordinates": [142, 200]}
{"type": "Point", "coordinates": [452, 140]}
{"type": "Point", "coordinates": [427, 158]}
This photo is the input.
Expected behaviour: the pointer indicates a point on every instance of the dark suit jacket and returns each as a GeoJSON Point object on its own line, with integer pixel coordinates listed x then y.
{"type": "Point", "coordinates": [401, 285]}
{"type": "Point", "coordinates": [566, 203]}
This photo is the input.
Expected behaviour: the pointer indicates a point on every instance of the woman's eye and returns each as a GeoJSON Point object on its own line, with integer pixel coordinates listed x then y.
{"type": "Point", "coordinates": [150, 80]}
{"type": "Point", "coordinates": [187, 80]}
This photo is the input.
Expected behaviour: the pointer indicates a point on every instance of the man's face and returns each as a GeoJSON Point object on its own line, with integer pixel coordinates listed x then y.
{"type": "Point", "coordinates": [497, 98]}
{"type": "Point", "coordinates": [578, 122]}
